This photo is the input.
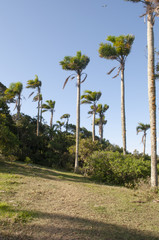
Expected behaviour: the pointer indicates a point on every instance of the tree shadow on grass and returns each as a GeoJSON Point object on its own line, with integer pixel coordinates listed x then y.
{"type": "Point", "coordinates": [64, 227]}
{"type": "Point", "coordinates": [36, 171]}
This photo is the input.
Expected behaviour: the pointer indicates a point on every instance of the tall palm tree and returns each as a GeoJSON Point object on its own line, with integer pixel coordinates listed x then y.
{"type": "Point", "coordinates": [36, 84]}
{"type": "Point", "coordinates": [151, 12]}
{"type": "Point", "coordinates": [101, 109]}
{"type": "Point", "coordinates": [143, 128]}
{"type": "Point", "coordinates": [76, 64]}
{"type": "Point", "coordinates": [15, 90]}
{"type": "Point", "coordinates": [66, 116]}
{"type": "Point", "coordinates": [92, 98]}
{"type": "Point", "coordinates": [118, 49]}
{"type": "Point", "coordinates": [49, 106]}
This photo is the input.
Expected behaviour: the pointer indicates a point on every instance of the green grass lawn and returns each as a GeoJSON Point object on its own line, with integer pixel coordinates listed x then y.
{"type": "Point", "coordinates": [42, 203]}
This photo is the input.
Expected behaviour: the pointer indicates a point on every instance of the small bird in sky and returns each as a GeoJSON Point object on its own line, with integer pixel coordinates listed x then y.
{"type": "Point", "coordinates": [104, 5]}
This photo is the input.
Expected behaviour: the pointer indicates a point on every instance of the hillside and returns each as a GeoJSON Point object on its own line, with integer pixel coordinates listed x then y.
{"type": "Point", "coordinates": [42, 203]}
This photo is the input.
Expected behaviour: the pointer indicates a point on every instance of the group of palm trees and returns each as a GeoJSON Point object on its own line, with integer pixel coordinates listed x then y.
{"type": "Point", "coordinates": [118, 48]}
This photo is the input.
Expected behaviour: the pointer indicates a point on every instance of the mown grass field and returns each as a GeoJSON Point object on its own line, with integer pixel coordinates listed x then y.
{"type": "Point", "coordinates": [41, 203]}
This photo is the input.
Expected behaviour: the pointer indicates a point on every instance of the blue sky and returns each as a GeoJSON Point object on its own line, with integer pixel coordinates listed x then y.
{"type": "Point", "coordinates": [36, 34]}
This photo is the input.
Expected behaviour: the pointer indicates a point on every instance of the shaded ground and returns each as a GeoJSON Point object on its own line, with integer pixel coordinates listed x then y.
{"type": "Point", "coordinates": [67, 206]}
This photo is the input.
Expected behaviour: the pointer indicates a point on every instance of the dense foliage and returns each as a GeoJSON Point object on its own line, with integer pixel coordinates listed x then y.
{"type": "Point", "coordinates": [115, 168]}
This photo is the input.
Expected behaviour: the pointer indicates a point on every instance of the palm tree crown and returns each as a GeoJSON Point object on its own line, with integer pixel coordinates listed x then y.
{"type": "Point", "coordinates": [15, 90]}
{"type": "Point", "coordinates": [49, 106]}
{"type": "Point", "coordinates": [35, 84]}
{"type": "Point", "coordinates": [77, 63]}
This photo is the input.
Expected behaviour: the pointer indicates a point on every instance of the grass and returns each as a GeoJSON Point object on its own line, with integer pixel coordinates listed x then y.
{"type": "Point", "coordinates": [42, 203]}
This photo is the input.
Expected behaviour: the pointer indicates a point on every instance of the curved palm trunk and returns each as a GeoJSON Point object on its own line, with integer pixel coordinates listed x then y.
{"type": "Point", "coordinates": [51, 119]}
{"type": "Point", "coordinates": [77, 121]}
{"type": "Point", "coordinates": [123, 118]}
{"type": "Point", "coordinates": [93, 125]}
{"type": "Point", "coordinates": [152, 98]}
{"type": "Point", "coordinates": [37, 130]}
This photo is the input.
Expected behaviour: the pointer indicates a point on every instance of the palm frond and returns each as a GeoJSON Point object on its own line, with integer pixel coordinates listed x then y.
{"type": "Point", "coordinates": [111, 70]}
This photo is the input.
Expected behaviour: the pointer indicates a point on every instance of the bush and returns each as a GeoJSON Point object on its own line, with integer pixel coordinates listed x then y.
{"type": "Point", "coordinates": [115, 168]}
{"type": "Point", "coordinates": [86, 148]}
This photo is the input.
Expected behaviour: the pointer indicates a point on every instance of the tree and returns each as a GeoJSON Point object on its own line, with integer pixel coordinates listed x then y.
{"type": "Point", "coordinates": [15, 90]}
{"type": "Point", "coordinates": [101, 120]}
{"type": "Point", "coordinates": [60, 125]}
{"type": "Point", "coordinates": [151, 11]}
{"type": "Point", "coordinates": [36, 84]}
{"type": "Point", "coordinates": [76, 64]}
{"type": "Point", "coordinates": [2, 90]}
{"type": "Point", "coordinates": [66, 116]}
{"type": "Point", "coordinates": [35, 99]}
{"type": "Point", "coordinates": [143, 128]}
{"type": "Point", "coordinates": [92, 98]}
{"type": "Point", "coordinates": [118, 49]}
{"type": "Point", "coordinates": [49, 106]}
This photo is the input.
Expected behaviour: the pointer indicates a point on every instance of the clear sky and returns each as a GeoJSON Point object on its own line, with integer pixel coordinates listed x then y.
{"type": "Point", "coordinates": [36, 34]}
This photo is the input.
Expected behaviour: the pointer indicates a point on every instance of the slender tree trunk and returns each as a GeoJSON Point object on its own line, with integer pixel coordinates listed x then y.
{"type": "Point", "coordinates": [93, 125]}
{"type": "Point", "coordinates": [18, 107]}
{"type": "Point", "coordinates": [123, 118]}
{"type": "Point", "coordinates": [144, 142]}
{"type": "Point", "coordinates": [152, 98]}
{"type": "Point", "coordinates": [37, 131]}
{"type": "Point", "coordinates": [51, 119]}
{"type": "Point", "coordinates": [77, 121]}
{"type": "Point", "coordinates": [41, 111]}
{"type": "Point", "coordinates": [101, 131]}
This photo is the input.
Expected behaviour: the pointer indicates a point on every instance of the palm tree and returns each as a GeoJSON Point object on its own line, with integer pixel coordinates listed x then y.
{"type": "Point", "coordinates": [101, 120]}
{"type": "Point", "coordinates": [66, 116]}
{"type": "Point", "coordinates": [151, 11]}
{"type": "Point", "coordinates": [92, 98]}
{"type": "Point", "coordinates": [118, 49]}
{"type": "Point", "coordinates": [49, 106]}
{"type": "Point", "coordinates": [36, 84]}
{"type": "Point", "coordinates": [15, 90]}
{"type": "Point", "coordinates": [76, 64]}
{"type": "Point", "coordinates": [60, 125]}
{"type": "Point", "coordinates": [143, 128]}
{"type": "Point", "coordinates": [35, 99]}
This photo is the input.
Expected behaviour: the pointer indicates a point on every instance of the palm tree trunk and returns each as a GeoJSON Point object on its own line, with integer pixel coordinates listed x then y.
{"type": "Point", "coordinates": [101, 130]}
{"type": "Point", "coordinates": [51, 119]}
{"type": "Point", "coordinates": [152, 98]}
{"type": "Point", "coordinates": [123, 118]}
{"type": "Point", "coordinates": [77, 122]}
{"type": "Point", "coordinates": [144, 143]}
{"type": "Point", "coordinates": [93, 125]}
{"type": "Point", "coordinates": [18, 107]}
{"type": "Point", "coordinates": [41, 111]}
{"type": "Point", "coordinates": [37, 131]}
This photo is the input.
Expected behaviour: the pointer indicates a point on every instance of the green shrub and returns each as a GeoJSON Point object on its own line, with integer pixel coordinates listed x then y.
{"type": "Point", "coordinates": [115, 168]}
{"type": "Point", "coordinates": [86, 148]}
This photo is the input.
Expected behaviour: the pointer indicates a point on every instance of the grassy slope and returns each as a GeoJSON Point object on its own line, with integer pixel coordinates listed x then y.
{"type": "Point", "coordinates": [40, 203]}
